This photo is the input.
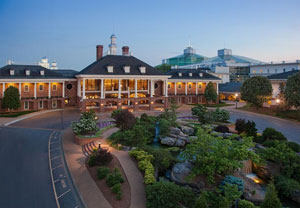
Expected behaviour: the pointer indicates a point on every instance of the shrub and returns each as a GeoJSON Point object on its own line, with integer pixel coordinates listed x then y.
{"type": "Point", "coordinates": [240, 125]}
{"type": "Point", "coordinates": [102, 157]}
{"type": "Point", "coordinates": [250, 129]}
{"type": "Point", "coordinates": [86, 124]}
{"type": "Point", "coordinates": [269, 143]}
{"type": "Point", "coordinates": [102, 172]}
{"type": "Point", "coordinates": [201, 201]}
{"type": "Point", "coordinates": [168, 195]}
{"type": "Point", "coordinates": [286, 186]}
{"type": "Point", "coordinates": [116, 188]}
{"type": "Point", "coordinates": [246, 204]}
{"type": "Point", "coordinates": [220, 115]}
{"type": "Point", "coordinates": [11, 98]}
{"type": "Point", "coordinates": [272, 134]}
{"type": "Point", "coordinates": [271, 200]}
{"type": "Point", "coordinates": [164, 127]}
{"type": "Point", "coordinates": [222, 129]}
{"type": "Point", "coordinates": [294, 146]}
{"type": "Point", "coordinates": [125, 120]}
{"type": "Point", "coordinates": [232, 180]}
{"type": "Point", "coordinates": [114, 178]}
{"type": "Point", "coordinates": [92, 160]}
{"type": "Point", "coordinates": [204, 116]}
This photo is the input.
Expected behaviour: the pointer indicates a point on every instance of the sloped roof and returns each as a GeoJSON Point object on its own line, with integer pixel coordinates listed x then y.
{"type": "Point", "coordinates": [99, 67]}
{"type": "Point", "coordinates": [230, 87]}
{"type": "Point", "coordinates": [19, 72]}
{"type": "Point", "coordinates": [283, 76]}
{"type": "Point", "coordinates": [68, 73]}
{"type": "Point", "coordinates": [195, 74]}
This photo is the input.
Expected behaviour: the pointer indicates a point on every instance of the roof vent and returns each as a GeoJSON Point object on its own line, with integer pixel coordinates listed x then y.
{"type": "Point", "coordinates": [27, 72]}
{"type": "Point", "coordinates": [201, 74]}
{"type": "Point", "coordinates": [180, 74]}
{"type": "Point", "coordinates": [142, 69]}
{"type": "Point", "coordinates": [12, 72]}
{"type": "Point", "coordinates": [126, 69]}
{"type": "Point", "coordinates": [110, 69]}
{"type": "Point", "coordinates": [190, 74]}
{"type": "Point", "coordinates": [42, 72]}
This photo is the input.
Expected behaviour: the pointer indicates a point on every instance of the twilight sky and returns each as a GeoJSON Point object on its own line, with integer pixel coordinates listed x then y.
{"type": "Point", "coordinates": [69, 30]}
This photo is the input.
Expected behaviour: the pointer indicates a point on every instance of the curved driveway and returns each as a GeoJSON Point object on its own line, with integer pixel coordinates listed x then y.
{"type": "Point", "coordinates": [25, 179]}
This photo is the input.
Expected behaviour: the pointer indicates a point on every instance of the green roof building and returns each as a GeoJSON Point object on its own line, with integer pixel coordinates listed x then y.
{"type": "Point", "coordinates": [188, 57]}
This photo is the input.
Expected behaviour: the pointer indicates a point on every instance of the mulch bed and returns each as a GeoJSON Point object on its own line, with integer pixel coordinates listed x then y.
{"type": "Point", "coordinates": [110, 197]}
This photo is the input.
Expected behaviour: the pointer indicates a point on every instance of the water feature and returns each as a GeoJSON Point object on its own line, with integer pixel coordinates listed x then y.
{"type": "Point", "coordinates": [155, 140]}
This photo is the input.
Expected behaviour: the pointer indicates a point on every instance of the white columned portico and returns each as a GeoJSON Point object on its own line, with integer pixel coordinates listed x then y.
{"type": "Point", "coordinates": [135, 88]}
{"type": "Point", "coordinates": [119, 92]}
{"type": "Point", "coordinates": [83, 88]}
{"type": "Point", "coordinates": [102, 88]}
{"type": "Point", "coordinates": [186, 92]}
{"type": "Point", "coordinates": [78, 88]}
{"type": "Point", "coordinates": [49, 90]}
{"type": "Point", "coordinates": [63, 89]}
{"type": "Point", "coordinates": [152, 88]}
{"type": "Point", "coordinates": [34, 90]}
{"type": "Point", "coordinates": [20, 90]}
{"type": "Point", "coordinates": [197, 85]}
{"type": "Point", "coordinates": [166, 88]}
{"type": "Point", "coordinates": [3, 89]}
{"type": "Point", "coordinates": [175, 85]}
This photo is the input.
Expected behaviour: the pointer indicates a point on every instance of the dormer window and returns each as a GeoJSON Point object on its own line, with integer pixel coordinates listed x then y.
{"type": "Point", "coordinates": [110, 69]}
{"type": "Point", "coordinates": [201, 74]}
{"type": "Point", "coordinates": [12, 72]}
{"type": "Point", "coordinates": [126, 69]}
{"type": "Point", "coordinates": [42, 72]}
{"type": "Point", "coordinates": [190, 74]}
{"type": "Point", "coordinates": [180, 74]}
{"type": "Point", "coordinates": [27, 72]}
{"type": "Point", "coordinates": [142, 69]}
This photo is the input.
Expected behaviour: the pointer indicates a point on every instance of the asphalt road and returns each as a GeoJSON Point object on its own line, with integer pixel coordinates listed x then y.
{"type": "Point", "coordinates": [25, 179]}
{"type": "Point", "coordinates": [289, 128]}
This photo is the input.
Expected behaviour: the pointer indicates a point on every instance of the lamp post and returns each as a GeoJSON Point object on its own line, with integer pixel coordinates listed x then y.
{"type": "Point", "coordinates": [236, 100]}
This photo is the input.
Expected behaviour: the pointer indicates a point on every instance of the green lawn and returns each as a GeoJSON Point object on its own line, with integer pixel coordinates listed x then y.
{"type": "Point", "coordinates": [217, 105]}
{"type": "Point", "coordinates": [97, 134]}
{"type": "Point", "coordinates": [16, 114]}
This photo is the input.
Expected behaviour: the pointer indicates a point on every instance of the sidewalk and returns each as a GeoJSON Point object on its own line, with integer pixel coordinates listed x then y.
{"type": "Point", "coordinates": [86, 186]}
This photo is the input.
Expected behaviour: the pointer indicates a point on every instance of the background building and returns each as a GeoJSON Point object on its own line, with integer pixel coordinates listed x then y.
{"type": "Point", "coordinates": [188, 57]}
{"type": "Point", "coordinates": [274, 68]}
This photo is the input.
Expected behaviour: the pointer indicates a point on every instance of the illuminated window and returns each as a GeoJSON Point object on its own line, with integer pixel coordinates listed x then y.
{"type": "Point", "coordinates": [26, 105]}
{"type": "Point", "coordinates": [199, 86]}
{"type": "Point", "coordinates": [26, 88]}
{"type": "Point", "coordinates": [179, 86]}
{"type": "Point", "coordinates": [169, 86]}
{"type": "Point", "coordinates": [190, 86]}
{"type": "Point", "coordinates": [254, 71]}
{"type": "Point", "coordinates": [54, 87]}
{"type": "Point", "coordinates": [41, 87]}
{"type": "Point", "coordinates": [261, 71]}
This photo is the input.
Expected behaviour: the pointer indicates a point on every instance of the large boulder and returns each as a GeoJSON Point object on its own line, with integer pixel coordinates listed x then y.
{"type": "Point", "coordinates": [175, 131]}
{"type": "Point", "coordinates": [253, 192]}
{"type": "Point", "coordinates": [180, 171]}
{"type": "Point", "coordinates": [179, 143]}
{"type": "Point", "coordinates": [170, 141]}
{"type": "Point", "coordinates": [267, 171]}
{"type": "Point", "coordinates": [187, 130]}
{"type": "Point", "coordinates": [185, 138]}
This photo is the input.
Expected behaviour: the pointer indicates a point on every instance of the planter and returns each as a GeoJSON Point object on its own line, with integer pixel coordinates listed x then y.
{"type": "Point", "coordinates": [83, 141]}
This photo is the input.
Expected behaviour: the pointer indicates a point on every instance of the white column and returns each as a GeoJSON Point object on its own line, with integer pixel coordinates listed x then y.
{"type": "Point", "coordinates": [35, 90]}
{"type": "Point", "coordinates": [119, 92]}
{"type": "Point", "coordinates": [175, 85]}
{"type": "Point", "coordinates": [152, 88]}
{"type": "Point", "coordinates": [197, 85]}
{"type": "Point", "coordinates": [217, 88]}
{"type": "Point", "coordinates": [166, 88]}
{"type": "Point", "coordinates": [102, 88]}
{"type": "Point", "coordinates": [135, 88]}
{"type": "Point", "coordinates": [49, 90]}
{"type": "Point", "coordinates": [186, 92]}
{"type": "Point", "coordinates": [63, 89]}
{"type": "Point", "coordinates": [83, 88]}
{"type": "Point", "coordinates": [148, 86]}
{"type": "Point", "coordinates": [20, 89]}
{"type": "Point", "coordinates": [78, 88]}
{"type": "Point", "coordinates": [3, 89]}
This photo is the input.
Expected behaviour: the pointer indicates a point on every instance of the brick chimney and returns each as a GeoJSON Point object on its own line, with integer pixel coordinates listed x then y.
{"type": "Point", "coordinates": [99, 52]}
{"type": "Point", "coordinates": [125, 51]}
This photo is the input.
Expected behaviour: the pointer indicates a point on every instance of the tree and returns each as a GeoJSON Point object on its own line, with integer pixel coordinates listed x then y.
{"type": "Point", "coordinates": [256, 90]}
{"type": "Point", "coordinates": [204, 116]}
{"type": "Point", "coordinates": [292, 91]}
{"type": "Point", "coordinates": [210, 93]}
{"type": "Point", "coordinates": [214, 155]}
{"type": "Point", "coordinates": [124, 119]}
{"type": "Point", "coordinates": [271, 200]}
{"type": "Point", "coordinates": [11, 99]}
{"type": "Point", "coordinates": [164, 67]}
{"type": "Point", "coordinates": [136, 137]}
{"type": "Point", "coordinates": [201, 201]}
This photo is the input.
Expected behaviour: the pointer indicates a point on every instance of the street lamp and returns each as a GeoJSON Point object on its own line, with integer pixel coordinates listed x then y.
{"type": "Point", "coordinates": [236, 96]}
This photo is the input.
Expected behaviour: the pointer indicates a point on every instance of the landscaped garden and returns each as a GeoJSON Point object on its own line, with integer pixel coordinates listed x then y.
{"type": "Point", "coordinates": [201, 161]}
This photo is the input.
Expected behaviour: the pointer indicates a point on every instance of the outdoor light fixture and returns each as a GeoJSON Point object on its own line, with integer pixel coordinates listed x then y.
{"type": "Point", "coordinates": [236, 100]}
{"type": "Point", "coordinates": [277, 101]}
{"type": "Point", "coordinates": [152, 102]}
{"type": "Point", "coordinates": [102, 104]}
{"type": "Point", "coordinates": [99, 144]}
